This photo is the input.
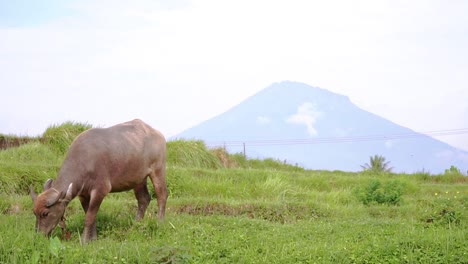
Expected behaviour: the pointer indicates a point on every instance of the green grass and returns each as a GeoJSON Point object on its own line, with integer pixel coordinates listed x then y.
{"type": "Point", "coordinates": [192, 154]}
{"type": "Point", "coordinates": [31, 163]}
{"type": "Point", "coordinates": [224, 208]}
{"type": "Point", "coordinates": [59, 137]}
{"type": "Point", "coordinates": [256, 216]}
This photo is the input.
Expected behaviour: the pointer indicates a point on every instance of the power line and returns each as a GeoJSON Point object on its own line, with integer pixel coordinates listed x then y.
{"type": "Point", "coordinates": [350, 139]}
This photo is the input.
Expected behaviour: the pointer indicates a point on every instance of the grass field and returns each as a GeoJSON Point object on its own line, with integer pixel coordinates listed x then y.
{"type": "Point", "coordinates": [227, 209]}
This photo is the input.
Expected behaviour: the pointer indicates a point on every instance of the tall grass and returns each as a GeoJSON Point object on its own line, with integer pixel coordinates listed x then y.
{"type": "Point", "coordinates": [17, 179]}
{"type": "Point", "coordinates": [195, 154]}
{"type": "Point", "coordinates": [59, 137]}
{"type": "Point", "coordinates": [27, 164]}
{"type": "Point", "coordinates": [192, 154]}
{"type": "Point", "coordinates": [34, 152]}
{"type": "Point", "coordinates": [239, 160]}
{"type": "Point", "coordinates": [440, 178]}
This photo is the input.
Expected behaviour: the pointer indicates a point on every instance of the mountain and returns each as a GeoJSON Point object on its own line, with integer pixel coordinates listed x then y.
{"type": "Point", "coordinates": [318, 129]}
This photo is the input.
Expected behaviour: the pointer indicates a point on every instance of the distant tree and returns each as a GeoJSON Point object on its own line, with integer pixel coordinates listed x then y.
{"type": "Point", "coordinates": [452, 170]}
{"type": "Point", "coordinates": [377, 164]}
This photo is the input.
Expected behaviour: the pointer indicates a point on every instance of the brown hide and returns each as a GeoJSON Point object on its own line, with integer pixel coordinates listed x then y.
{"type": "Point", "coordinates": [103, 160]}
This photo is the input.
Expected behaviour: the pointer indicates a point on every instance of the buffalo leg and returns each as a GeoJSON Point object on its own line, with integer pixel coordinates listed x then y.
{"type": "Point", "coordinates": [158, 178]}
{"type": "Point", "coordinates": [84, 203]}
{"type": "Point", "coordinates": [143, 197]}
{"type": "Point", "coordinates": [89, 231]}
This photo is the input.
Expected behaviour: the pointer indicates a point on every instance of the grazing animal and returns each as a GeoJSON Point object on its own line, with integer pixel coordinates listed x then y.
{"type": "Point", "coordinates": [100, 161]}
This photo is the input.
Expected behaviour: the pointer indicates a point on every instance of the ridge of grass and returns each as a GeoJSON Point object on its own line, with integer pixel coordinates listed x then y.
{"type": "Point", "coordinates": [60, 137]}
{"type": "Point", "coordinates": [192, 154]}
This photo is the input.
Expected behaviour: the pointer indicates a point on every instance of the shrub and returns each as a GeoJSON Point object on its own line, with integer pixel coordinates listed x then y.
{"type": "Point", "coordinates": [377, 192]}
{"type": "Point", "coordinates": [452, 170]}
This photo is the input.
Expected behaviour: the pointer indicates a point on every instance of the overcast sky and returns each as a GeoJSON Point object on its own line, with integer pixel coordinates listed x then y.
{"type": "Point", "coordinates": [175, 64]}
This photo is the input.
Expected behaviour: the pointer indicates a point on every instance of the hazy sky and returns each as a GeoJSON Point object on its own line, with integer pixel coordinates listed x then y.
{"type": "Point", "coordinates": [175, 64]}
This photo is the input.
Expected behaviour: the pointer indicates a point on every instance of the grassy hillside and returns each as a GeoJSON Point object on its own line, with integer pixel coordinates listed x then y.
{"type": "Point", "coordinates": [224, 208]}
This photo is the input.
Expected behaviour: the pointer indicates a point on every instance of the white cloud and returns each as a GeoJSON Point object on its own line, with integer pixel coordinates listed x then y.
{"type": "Point", "coordinates": [263, 120]}
{"type": "Point", "coordinates": [306, 115]}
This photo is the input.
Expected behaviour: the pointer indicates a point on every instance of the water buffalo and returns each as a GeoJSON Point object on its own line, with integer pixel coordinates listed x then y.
{"type": "Point", "coordinates": [100, 161]}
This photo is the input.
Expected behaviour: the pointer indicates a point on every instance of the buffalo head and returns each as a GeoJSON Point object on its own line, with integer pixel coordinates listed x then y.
{"type": "Point", "coordinates": [49, 207]}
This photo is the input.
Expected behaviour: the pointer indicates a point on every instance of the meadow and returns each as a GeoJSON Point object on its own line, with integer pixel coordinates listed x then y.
{"type": "Point", "coordinates": [224, 208]}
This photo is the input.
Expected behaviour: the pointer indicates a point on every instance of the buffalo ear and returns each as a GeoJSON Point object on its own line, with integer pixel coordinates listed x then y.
{"type": "Point", "coordinates": [32, 193]}
{"type": "Point", "coordinates": [48, 184]}
{"type": "Point", "coordinates": [53, 198]}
